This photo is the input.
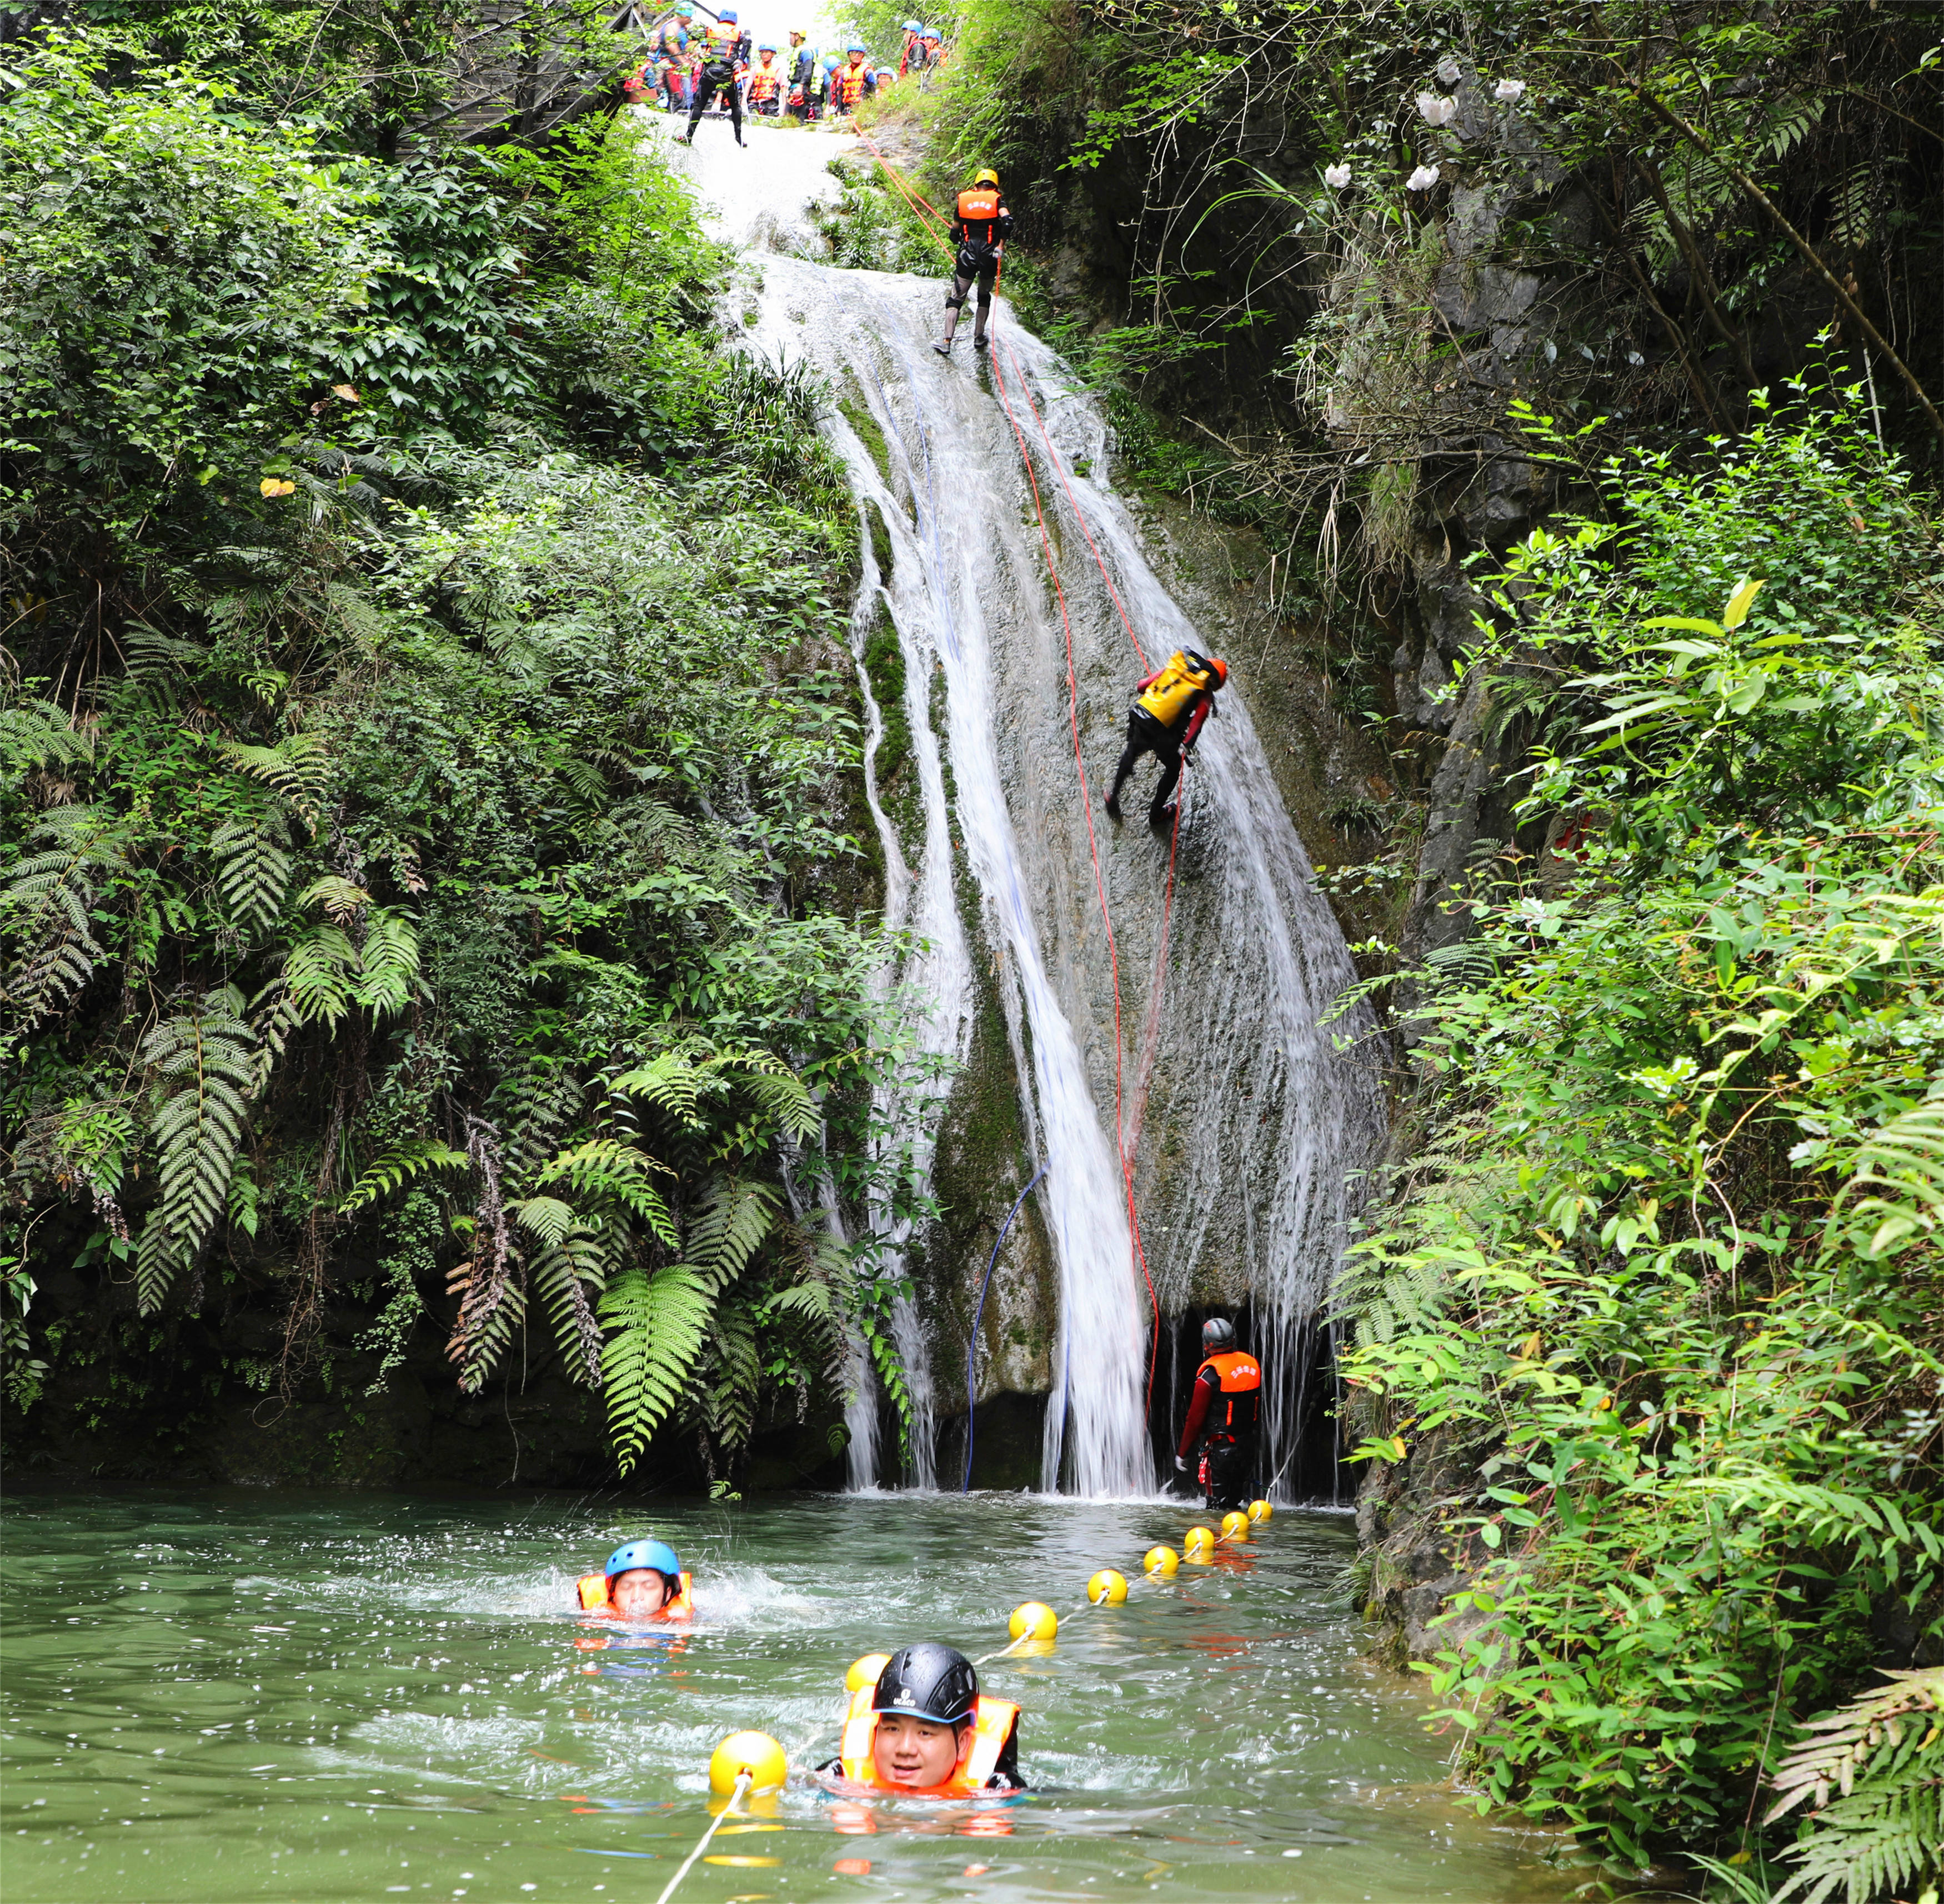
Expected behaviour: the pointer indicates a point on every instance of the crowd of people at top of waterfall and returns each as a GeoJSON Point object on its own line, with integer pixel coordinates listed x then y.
{"type": "Point", "coordinates": [691, 66]}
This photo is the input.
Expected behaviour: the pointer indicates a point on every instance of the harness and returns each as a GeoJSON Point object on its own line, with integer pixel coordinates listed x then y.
{"type": "Point", "coordinates": [595, 1597]}
{"type": "Point", "coordinates": [1241, 1379]}
{"type": "Point", "coordinates": [994, 1722]}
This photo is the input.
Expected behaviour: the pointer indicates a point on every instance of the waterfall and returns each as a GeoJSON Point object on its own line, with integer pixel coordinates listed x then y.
{"type": "Point", "coordinates": [1244, 1127]}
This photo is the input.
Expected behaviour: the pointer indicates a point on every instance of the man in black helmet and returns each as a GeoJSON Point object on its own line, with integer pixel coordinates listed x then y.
{"type": "Point", "coordinates": [925, 1728]}
{"type": "Point", "coordinates": [1223, 1404]}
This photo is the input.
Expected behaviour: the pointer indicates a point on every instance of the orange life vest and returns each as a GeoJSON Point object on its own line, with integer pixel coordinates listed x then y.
{"type": "Point", "coordinates": [850, 87]}
{"type": "Point", "coordinates": [765, 76]}
{"type": "Point", "coordinates": [979, 205]}
{"type": "Point", "coordinates": [1185, 675]}
{"type": "Point", "coordinates": [1241, 1379]}
{"type": "Point", "coordinates": [595, 1597]}
{"type": "Point", "coordinates": [994, 1722]}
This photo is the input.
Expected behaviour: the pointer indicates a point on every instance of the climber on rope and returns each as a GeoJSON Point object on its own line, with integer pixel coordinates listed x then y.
{"type": "Point", "coordinates": [1168, 711]}
{"type": "Point", "coordinates": [924, 1730]}
{"type": "Point", "coordinates": [722, 49]}
{"type": "Point", "coordinates": [1223, 1404]}
{"type": "Point", "coordinates": [983, 223]}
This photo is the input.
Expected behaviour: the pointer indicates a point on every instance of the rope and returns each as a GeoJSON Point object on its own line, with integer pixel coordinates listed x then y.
{"type": "Point", "coordinates": [972, 1351]}
{"type": "Point", "coordinates": [701, 1843]}
{"type": "Point", "coordinates": [921, 206]}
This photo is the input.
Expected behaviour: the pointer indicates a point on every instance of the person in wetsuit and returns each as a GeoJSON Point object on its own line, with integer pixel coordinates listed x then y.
{"type": "Point", "coordinates": [722, 52]}
{"type": "Point", "coordinates": [1223, 1404]}
{"type": "Point", "coordinates": [1170, 707]}
{"type": "Point", "coordinates": [983, 223]}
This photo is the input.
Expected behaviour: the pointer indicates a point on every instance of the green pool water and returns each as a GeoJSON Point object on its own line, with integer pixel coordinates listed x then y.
{"type": "Point", "coordinates": [303, 1696]}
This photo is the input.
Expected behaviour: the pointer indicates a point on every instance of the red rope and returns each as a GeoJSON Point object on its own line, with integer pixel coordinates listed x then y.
{"type": "Point", "coordinates": [916, 200]}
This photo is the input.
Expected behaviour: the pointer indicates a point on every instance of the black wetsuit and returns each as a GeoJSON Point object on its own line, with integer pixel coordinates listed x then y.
{"type": "Point", "coordinates": [977, 262]}
{"type": "Point", "coordinates": [718, 75]}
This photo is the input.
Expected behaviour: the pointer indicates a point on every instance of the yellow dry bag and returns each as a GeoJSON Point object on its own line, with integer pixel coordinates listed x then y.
{"type": "Point", "coordinates": [1185, 675]}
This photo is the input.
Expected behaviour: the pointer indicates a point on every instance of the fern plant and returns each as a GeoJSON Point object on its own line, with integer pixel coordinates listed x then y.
{"type": "Point", "coordinates": [1871, 1773]}
{"type": "Point", "coordinates": [204, 1066]}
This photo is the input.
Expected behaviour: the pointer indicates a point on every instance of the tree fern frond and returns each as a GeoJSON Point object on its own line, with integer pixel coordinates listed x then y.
{"type": "Point", "coordinates": [732, 1219]}
{"type": "Point", "coordinates": [546, 1219]}
{"type": "Point", "coordinates": [39, 734]}
{"type": "Point", "coordinates": [532, 1106]}
{"type": "Point", "coordinates": [669, 1079]}
{"type": "Point", "coordinates": [203, 1067]}
{"type": "Point", "coordinates": [562, 1276]}
{"type": "Point", "coordinates": [606, 1166]}
{"type": "Point", "coordinates": [658, 1322]}
{"type": "Point", "coordinates": [320, 975]}
{"type": "Point", "coordinates": [390, 1170]}
{"type": "Point", "coordinates": [730, 1404]}
{"type": "Point", "coordinates": [48, 902]}
{"type": "Point", "coordinates": [388, 963]}
{"type": "Point", "coordinates": [297, 767]}
{"type": "Point", "coordinates": [252, 870]}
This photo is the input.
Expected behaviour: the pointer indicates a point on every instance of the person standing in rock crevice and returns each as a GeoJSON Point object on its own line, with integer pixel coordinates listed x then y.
{"type": "Point", "coordinates": [1223, 1404]}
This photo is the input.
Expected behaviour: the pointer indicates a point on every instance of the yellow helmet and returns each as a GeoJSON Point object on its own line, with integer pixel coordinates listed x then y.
{"type": "Point", "coordinates": [986, 176]}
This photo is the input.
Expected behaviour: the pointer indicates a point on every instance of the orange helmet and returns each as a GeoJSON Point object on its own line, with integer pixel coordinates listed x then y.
{"type": "Point", "coordinates": [1221, 667]}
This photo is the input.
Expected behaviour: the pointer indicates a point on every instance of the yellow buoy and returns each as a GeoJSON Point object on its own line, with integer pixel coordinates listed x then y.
{"type": "Point", "coordinates": [1163, 1561]}
{"type": "Point", "coordinates": [1197, 1545]}
{"type": "Point", "coordinates": [1107, 1589]}
{"type": "Point", "coordinates": [864, 1672]}
{"type": "Point", "coordinates": [1034, 1620]}
{"type": "Point", "coordinates": [1260, 1510]}
{"type": "Point", "coordinates": [1234, 1527]}
{"type": "Point", "coordinates": [754, 1752]}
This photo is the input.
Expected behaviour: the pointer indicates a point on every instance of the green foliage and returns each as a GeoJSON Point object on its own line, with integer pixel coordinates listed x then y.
{"type": "Point", "coordinates": [427, 742]}
{"type": "Point", "coordinates": [1667, 1278]}
{"type": "Point", "coordinates": [1883, 1830]}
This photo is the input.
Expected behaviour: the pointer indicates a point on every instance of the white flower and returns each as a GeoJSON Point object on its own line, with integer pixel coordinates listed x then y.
{"type": "Point", "coordinates": [1336, 176]}
{"type": "Point", "coordinates": [1509, 92]}
{"type": "Point", "coordinates": [1435, 111]}
{"type": "Point", "coordinates": [1422, 180]}
{"type": "Point", "coordinates": [1449, 71]}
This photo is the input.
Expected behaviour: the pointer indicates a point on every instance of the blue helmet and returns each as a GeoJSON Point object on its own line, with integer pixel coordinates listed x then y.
{"type": "Point", "coordinates": [857, 46]}
{"type": "Point", "coordinates": [911, 26]}
{"type": "Point", "coordinates": [657, 1554]}
{"type": "Point", "coordinates": [830, 64]}
{"type": "Point", "coordinates": [728, 17]}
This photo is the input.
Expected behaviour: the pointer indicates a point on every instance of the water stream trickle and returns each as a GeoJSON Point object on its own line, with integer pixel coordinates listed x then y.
{"type": "Point", "coordinates": [1244, 1125]}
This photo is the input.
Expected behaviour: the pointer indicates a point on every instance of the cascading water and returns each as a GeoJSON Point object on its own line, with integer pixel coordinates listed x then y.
{"type": "Point", "coordinates": [1244, 1125]}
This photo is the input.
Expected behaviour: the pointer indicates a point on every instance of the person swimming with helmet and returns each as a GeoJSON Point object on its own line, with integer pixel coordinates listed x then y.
{"type": "Point", "coordinates": [642, 1580]}
{"type": "Point", "coordinates": [925, 1730]}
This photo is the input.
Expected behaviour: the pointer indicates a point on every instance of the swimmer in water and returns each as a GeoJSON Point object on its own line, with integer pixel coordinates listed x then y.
{"type": "Point", "coordinates": [643, 1580]}
{"type": "Point", "coordinates": [924, 1730]}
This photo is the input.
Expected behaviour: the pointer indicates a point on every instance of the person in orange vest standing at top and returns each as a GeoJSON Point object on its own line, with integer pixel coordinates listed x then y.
{"type": "Point", "coordinates": [1169, 707]}
{"type": "Point", "coordinates": [982, 223]}
{"type": "Point", "coordinates": [1223, 1404]}
{"type": "Point", "coordinates": [766, 81]}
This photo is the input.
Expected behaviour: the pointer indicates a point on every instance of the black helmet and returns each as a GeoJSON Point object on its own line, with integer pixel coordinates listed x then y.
{"type": "Point", "coordinates": [930, 1681]}
{"type": "Point", "coordinates": [1218, 1333]}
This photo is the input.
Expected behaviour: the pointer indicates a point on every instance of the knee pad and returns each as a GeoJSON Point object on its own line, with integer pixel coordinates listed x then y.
{"type": "Point", "coordinates": [954, 303]}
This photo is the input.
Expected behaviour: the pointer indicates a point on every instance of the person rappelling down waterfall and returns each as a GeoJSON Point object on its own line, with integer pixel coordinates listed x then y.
{"type": "Point", "coordinates": [722, 49]}
{"type": "Point", "coordinates": [983, 223]}
{"type": "Point", "coordinates": [1222, 1404]}
{"type": "Point", "coordinates": [1169, 708]}
{"type": "Point", "coordinates": [925, 1731]}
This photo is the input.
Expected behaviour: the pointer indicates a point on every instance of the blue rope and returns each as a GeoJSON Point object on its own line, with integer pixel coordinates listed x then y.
{"type": "Point", "coordinates": [972, 1350]}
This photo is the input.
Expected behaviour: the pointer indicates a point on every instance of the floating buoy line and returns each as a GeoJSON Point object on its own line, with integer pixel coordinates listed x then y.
{"type": "Point", "coordinates": [751, 1763]}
